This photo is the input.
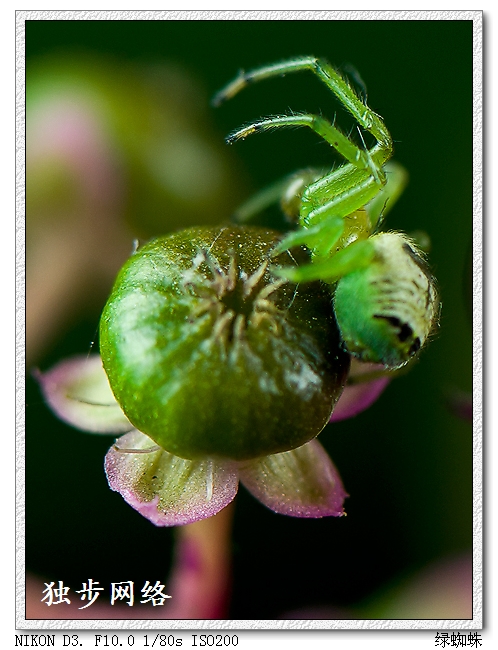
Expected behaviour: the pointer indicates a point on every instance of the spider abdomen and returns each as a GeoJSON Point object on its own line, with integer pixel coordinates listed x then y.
{"type": "Point", "coordinates": [387, 310]}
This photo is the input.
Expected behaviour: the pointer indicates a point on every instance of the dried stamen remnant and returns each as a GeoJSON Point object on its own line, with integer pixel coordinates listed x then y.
{"type": "Point", "coordinates": [236, 300]}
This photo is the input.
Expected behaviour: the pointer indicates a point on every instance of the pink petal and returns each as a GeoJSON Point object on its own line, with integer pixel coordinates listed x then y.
{"type": "Point", "coordinates": [300, 483]}
{"type": "Point", "coordinates": [78, 391]}
{"type": "Point", "coordinates": [360, 395]}
{"type": "Point", "coordinates": [166, 489]}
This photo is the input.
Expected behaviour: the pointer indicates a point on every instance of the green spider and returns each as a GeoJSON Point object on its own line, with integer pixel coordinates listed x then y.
{"type": "Point", "coordinates": [385, 299]}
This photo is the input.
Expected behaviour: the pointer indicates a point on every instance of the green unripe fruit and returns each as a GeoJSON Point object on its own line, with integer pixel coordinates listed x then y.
{"type": "Point", "coordinates": [211, 356]}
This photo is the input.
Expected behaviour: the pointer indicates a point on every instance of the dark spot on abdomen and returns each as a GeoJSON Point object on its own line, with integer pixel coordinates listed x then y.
{"type": "Point", "coordinates": [404, 330]}
{"type": "Point", "coordinates": [415, 346]}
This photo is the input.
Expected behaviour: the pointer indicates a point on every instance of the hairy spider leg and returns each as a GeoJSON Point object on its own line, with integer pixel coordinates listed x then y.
{"type": "Point", "coordinates": [330, 269]}
{"type": "Point", "coordinates": [350, 189]}
{"type": "Point", "coordinates": [366, 160]}
{"type": "Point", "coordinates": [324, 235]}
{"type": "Point", "coordinates": [286, 190]}
{"type": "Point", "coordinates": [380, 205]}
{"type": "Point", "coordinates": [342, 191]}
{"type": "Point", "coordinates": [290, 190]}
{"type": "Point", "coordinates": [339, 193]}
{"type": "Point", "coordinates": [369, 120]}
{"type": "Point", "coordinates": [261, 200]}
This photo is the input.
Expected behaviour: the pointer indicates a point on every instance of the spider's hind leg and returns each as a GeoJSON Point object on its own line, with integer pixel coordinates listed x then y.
{"type": "Point", "coordinates": [287, 191]}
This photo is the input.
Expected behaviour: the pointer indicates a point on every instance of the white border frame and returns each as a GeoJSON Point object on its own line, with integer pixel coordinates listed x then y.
{"type": "Point", "coordinates": [403, 624]}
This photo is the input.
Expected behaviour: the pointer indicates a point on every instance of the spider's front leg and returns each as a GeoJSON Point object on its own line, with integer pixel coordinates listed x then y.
{"type": "Point", "coordinates": [385, 299]}
{"type": "Point", "coordinates": [369, 120]}
{"type": "Point", "coordinates": [334, 196]}
{"type": "Point", "coordinates": [330, 268]}
{"type": "Point", "coordinates": [340, 193]}
{"type": "Point", "coordinates": [368, 161]}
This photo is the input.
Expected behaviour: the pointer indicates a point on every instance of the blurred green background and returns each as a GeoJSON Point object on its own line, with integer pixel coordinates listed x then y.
{"type": "Point", "coordinates": [407, 461]}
